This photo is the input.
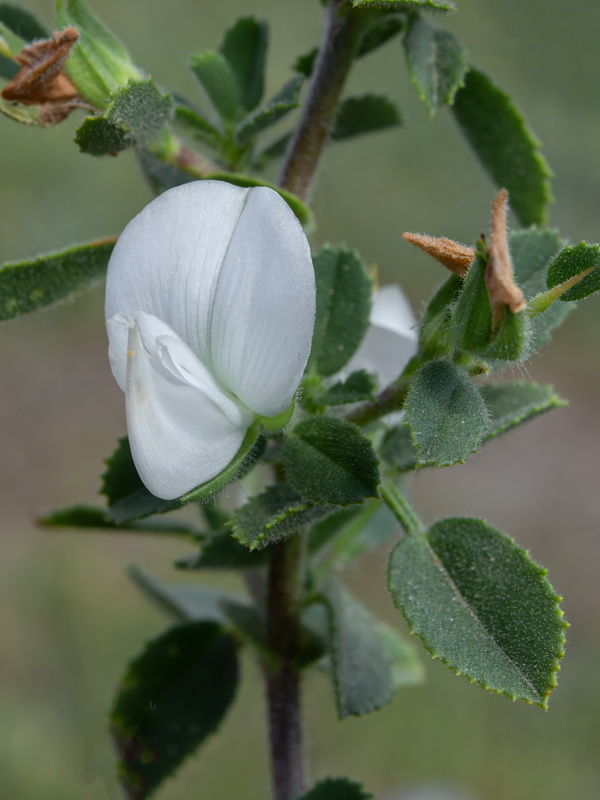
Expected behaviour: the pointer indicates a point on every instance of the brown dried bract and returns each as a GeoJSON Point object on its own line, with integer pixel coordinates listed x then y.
{"type": "Point", "coordinates": [41, 81]}
{"type": "Point", "coordinates": [499, 276]}
{"type": "Point", "coordinates": [454, 256]}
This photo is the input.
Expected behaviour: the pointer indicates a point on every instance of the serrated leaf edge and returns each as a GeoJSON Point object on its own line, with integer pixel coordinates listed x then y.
{"type": "Point", "coordinates": [413, 631]}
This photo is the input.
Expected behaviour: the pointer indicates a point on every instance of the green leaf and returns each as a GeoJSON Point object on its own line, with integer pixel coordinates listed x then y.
{"type": "Point", "coordinates": [361, 666]}
{"type": "Point", "coordinates": [298, 207]}
{"type": "Point", "coordinates": [503, 142]}
{"type": "Point", "coordinates": [98, 62]}
{"type": "Point", "coordinates": [127, 497]}
{"type": "Point", "coordinates": [250, 625]}
{"type": "Point", "coordinates": [435, 331]}
{"type": "Point", "coordinates": [276, 149]}
{"type": "Point", "coordinates": [8, 70]}
{"type": "Point", "coordinates": [437, 63]}
{"type": "Point", "coordinates": [380, 32]}
{"type": "Point", "coordinates": [405, 5]}
{"type": "Point", "coordinates": [329, 461]}
{"type": "Point", "coordinates": [305, 64]}
{"type": "Point", "coordinates": [351, 532]}
{"type": "Point", "coordinates": [512, 404]}
{"type": "Point", "coordinates": [28, 285]}
{"type": "Point", "coordinates": [572, 261]}
{"type": "Point", "coordinates": [531, 251]}
{"type": "Point", "coordinates": [277, 108]}
{"type": "Point", "coordinates": [336, 789]}
{"type": "Point", "coordinates": [136, 114]}
{"type": "Point", "coordinates": [22, 22]}
{"type": "Point", "coordinates": [160, 176]}
{"type": "Point", "coordinates": [446, 415]}
{"type": "Point", "coordinates": [185, 602]}
{"type": "Point", "coordinates": [198, 127]}
{"type": "Point", "coordinates": [343, 308]}
{"type": "Point", "coordinates": [172, 698]}
{"type": "Point", "coordinates": [366, 114]}
{"type": "Point", "coordinates": [272, 516]}
{"type": "Point", "coordinates": [222, 551]}
{"type": "Point", "coordinates": [407, 669]}
{"type": "Point", "coordinates": [397, 449]}
{"type": "Point", "coordinates": [357, 387]}
{"type": "Point", "coordinates": [482, 606]}
{"type": "Point", "coordinates": [90, 517]}
{"type": "Point", "coordinates": [219, 81]}
{"type": "Point", "coordinates": [472, 322]}
{"type": "Point", "coordinates": [245, 50]}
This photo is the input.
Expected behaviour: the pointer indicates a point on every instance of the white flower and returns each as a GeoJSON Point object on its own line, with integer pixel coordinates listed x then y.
{"type": "Point", "coordinates": [391, 340]}
{"type": "Point", "coordinates": [210, 305]}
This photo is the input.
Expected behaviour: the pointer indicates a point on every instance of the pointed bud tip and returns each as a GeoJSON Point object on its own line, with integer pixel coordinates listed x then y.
{"type": "Point", "coordinates": [454, 256]}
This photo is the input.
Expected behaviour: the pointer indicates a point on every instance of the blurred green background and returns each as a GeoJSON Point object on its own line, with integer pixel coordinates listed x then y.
{"type": "Point", "coordinates": [69, 618]}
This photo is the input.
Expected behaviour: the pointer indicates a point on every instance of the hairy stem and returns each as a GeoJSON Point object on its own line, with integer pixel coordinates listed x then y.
{"type": "Point", "coordinates": [390, 399]}
{"type": "Point", "coordinates": [283, 681]}
{"type": "Point", "coordinates": [342, 34]}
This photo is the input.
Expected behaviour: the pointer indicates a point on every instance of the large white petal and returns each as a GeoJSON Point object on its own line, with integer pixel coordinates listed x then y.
{"type": "Point", "coordinates": [264, 306]}
{"type": "Point", "coordinates": [183, 430]}
{"type": "Point", "coordinates": [168, 259]}
{"type": "Point", "coordinates": [391, 340]}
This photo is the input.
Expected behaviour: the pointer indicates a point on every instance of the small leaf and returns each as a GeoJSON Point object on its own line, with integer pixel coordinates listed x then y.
{"type": "Point", "coordinates": [572, 261]}
{"type": "Point", "coordinates": [160, 176]}
{"type": "Point", "coordinates": [482, 606]}
{"type": "Point", "coordinates": [473, 322]}
{"type": "Point", "coordinates": [378, 34]}
{"type": "Point", "coordinates": [446, 415]}
{"type": "Point", "coordinates": [508, 150]}
{"type": "Point", "coordinates": [128, 499]}
{"type": "Point", "coordinates": [272, 516]}
{"type": "Point", "coordinates": [89, 517]}
{"type": "Point", "coordinates": [136, 114]}
{"type": "Point", "coordinates": [276, 149]}
{"type": "Point", "coordinates": [22, 22]}
{"type": "Point", "coordinates": [343, 308]}
{"type": "Point", "coordinates": [99, 62]}
{"type": "Point", "coordinates": [329, 461]}
{"type": "Point", "coordinates": [435, 332]}
{"type": "Point", "coordinates": [184, 602]}
{"type": "Point", "coordinates": [336, 789]}
{"type": "Point", "coordinates": [361, 666]}
{"type": "Point", "coordinates": [198, 127]}
{"type": "Point", "coordinates": [366, 114]}
{"type": "Point", "coordinates": [277, 108]}
{"type": "Point", "coordinates": [222, 551]}
{"type": "Point", "coordinates": [511, 404]}
{"type": "Point", "coordinates": [219, 81]}
{"type": "Point", "coordinates": [407, 669]}
{"type": "Point", "coordinates": [398, 450]}
{"type": "Point", "coordinates": [358, 386]}
{"type": "Point", "coordinates": [437, 63]}
{"type": "Point", "coordinates": [245, 49]}
{"type": "Point", "coordinates": [305, 64]}
{"type": "Point", "coordinates": [8, 70]}
{"type": "Point", "coordinates": [172, 698]}
{"type": "Point", "coordinates": [35, 283]}
{"type": "Point", "coordinates": [531, 251]}
{"type": "Point", "coordinates": [405, 5]}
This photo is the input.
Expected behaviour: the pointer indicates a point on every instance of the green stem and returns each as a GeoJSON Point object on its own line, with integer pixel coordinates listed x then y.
{"type": "Point", "coordinates": [401, 509]}
{"type": "Point", "coordinates": [343, 31]}
{"type": "Point", "coordinates": [284, 598]}
{"type": "Point", "coordinates": [390, 399]}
